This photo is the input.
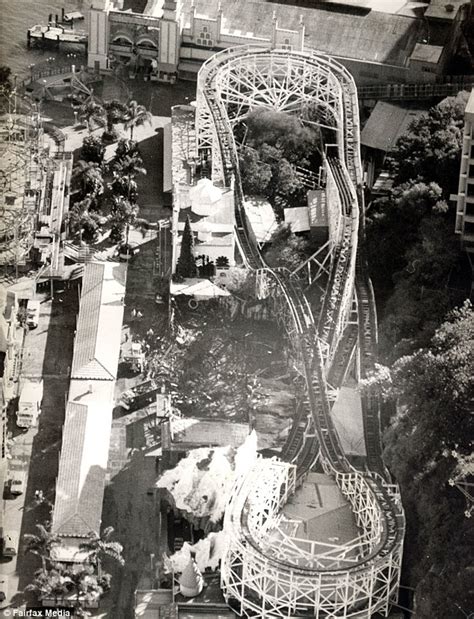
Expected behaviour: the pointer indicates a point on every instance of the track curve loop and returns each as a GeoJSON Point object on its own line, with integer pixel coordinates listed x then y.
{"type": "Point", "coordinates": [267, 571]}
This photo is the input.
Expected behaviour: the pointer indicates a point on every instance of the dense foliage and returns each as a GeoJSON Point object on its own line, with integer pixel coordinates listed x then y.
{"type": "Point", "coordinates": [430, 150]}
{"type": "Point", "coordinates": [413, 251]}
{"type": "Point", "coordinates": [105, 196]}
{"type": "Point", "coordinates": [5, 78]}
{"type": "Point", "coordinates": [413, 254]}
{"type": "Point", "coordinates": [432, 430]}
{"type": "Point", "coordinates": [286, 249]}
{"type": "Point", "coordinates": [77, 585]}
{"type": "Point", "coordinates": [274, 147]}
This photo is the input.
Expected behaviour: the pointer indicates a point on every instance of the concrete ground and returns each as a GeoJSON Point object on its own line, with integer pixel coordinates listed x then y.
{"type": "Point", "coordinates": [128, 506]}
{"type": "Point", "coordinates": [321, 513]}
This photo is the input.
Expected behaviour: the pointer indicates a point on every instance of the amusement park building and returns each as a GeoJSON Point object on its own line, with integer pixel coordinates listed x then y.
{"type": "Point", "coordinates": [84, 453]}
{"type": "Point", "coordinates": [406, 42]}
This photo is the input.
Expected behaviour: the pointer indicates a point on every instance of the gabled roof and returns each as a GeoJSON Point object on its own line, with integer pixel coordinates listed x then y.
{"type": "Point", "coordinates": [82, 469]}
{"type": "Point", "coordinates": [97, 342]}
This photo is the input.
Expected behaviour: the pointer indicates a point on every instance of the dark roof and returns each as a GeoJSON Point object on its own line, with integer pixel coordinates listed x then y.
{"type": "Point", "coordinates": [386, 124]}
{"type": "Point", "coordinates": [437, 9]}
{"type": "Point", "coordinates": [365, 35]}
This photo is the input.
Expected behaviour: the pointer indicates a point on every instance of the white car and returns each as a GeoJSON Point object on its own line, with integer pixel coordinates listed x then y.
{"type": "Point", "coordinates": [33, 311]}
{"type": "Point", "coordinates": [10, 544]}
{"type": "Point", "coordinates": [17, 484]}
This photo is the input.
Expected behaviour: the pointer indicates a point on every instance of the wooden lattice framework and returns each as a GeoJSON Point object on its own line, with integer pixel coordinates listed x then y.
{"type": "Point", "coordinates": [268, 572]}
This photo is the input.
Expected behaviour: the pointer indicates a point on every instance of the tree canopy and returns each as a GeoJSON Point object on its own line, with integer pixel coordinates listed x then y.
{"type": "Point", "coordinates": [412, 250]}
{"type": "Point", "coordinates": [431, 148]}
{"type": "Point", "coordinates": [286, 249]}
{"type": "Point", "coordinates": [274, 144]}
{"type": "Point", "coordinates": [92, 149]}
{"type": "Point", "coordinates": [434, 388]}
{"type": "Point", "coordinates": [284, 132]}
{"type": "Point", "coordinates": [136, 115]}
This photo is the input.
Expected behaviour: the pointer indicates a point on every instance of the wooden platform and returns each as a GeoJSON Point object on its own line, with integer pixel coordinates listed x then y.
{"type": "Point", "coordinates": [55, 34]}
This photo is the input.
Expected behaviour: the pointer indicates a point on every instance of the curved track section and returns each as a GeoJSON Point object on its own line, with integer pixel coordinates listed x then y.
{"type": "Point", "coordinates": [267, 571]}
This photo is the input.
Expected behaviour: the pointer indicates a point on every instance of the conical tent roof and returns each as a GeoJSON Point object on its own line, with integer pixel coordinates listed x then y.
{"type": "Point", "coordinates": [191, 581]}
{"type": "Point", "coordinates": [204, 197]}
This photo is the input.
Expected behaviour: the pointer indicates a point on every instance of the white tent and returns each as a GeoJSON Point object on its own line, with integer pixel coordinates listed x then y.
{"type": "Point", "coordinates": [204, 197]}
{"type": "Point", "coordinates": [200, 289]}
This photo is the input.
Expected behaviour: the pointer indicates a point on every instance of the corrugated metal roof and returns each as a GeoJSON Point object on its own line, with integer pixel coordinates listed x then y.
{"type": "Point", "coordinates": [97, 342]}
{"type": "Point", "coordinates": [386, 124]}
{"type": "Point", "coordinates": [82, 469]}
{"type": "Point", "coordinates": [366, 35]}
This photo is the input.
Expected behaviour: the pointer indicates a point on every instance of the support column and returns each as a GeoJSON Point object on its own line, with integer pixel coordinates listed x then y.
{"type": "Point", "coordinates": [98, 31]}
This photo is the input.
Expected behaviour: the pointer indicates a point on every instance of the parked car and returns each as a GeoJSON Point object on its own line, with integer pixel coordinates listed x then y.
{"type": "Point", "coordinates": [10, 544]}
{"type": "Point", "coordinates": [29, 404]}
{"type": "Point", "coordinates": [33, 311]}
{"type": "Point", "coordinates": [17, 484]}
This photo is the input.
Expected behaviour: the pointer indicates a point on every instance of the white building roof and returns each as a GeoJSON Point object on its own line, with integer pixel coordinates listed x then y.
{"type": "Point", "coordinates": [204, 196]}
{"type": "Point", "coordinates": [82, 469]}
{"type": "Point", "coordinates": [298, 218]}
{"type": "Point", "coordinates": [261, 218]}
{"type": "Point", "coordinates": [198, 288]}
{"type": "Point", "coordinates": [97, 343]}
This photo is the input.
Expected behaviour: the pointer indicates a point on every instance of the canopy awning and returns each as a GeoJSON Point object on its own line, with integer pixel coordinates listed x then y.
{"type": "Point", "coordinates": [200, 289]}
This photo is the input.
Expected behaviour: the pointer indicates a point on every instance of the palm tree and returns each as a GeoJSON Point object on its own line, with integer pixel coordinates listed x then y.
{"type": "Point", "coordinates": [54, 582]}
{"type": "Point", "coordinates": [129, 166]}
{"type": "Point", "coordinates": [125, 170]}
{"type": "Point", "coordinates": [92, 113]}
{"type": "Point", "coordinates": [41, 544]}
{"type": "Point", "coordinates": [88, 175]}
{"type": "Point", "coordinates": [115, 112]}
{"type": "Point", "coordinates": [100, 546]}
{"type": "Point", "coordinates": [86, 588]}
{"type": "Point", "coordinates": [137, 115]}
{"type": "Point", "coordinates": [125, 146]}
{"type": "Point", "coordinates": [125, 214]}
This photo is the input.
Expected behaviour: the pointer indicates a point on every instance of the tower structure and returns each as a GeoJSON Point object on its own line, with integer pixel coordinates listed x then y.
{"type": "Point", "coordinates": [464, 225]}
{"type": "Point", "coordinates": [21, 177]}
{"type": "Point", "coordinates": [98, 28]}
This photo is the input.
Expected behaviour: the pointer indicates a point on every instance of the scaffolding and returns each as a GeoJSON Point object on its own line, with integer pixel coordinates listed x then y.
{"type": "Point", "coordinates": [22, 176]}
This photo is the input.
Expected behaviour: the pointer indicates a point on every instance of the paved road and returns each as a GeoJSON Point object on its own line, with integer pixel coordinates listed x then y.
{"type": "Point", "coordinates": [47, 355]}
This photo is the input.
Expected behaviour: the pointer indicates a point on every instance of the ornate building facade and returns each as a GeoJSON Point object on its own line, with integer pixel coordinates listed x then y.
{"type": "Point", "coordinates": [172, 38]}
